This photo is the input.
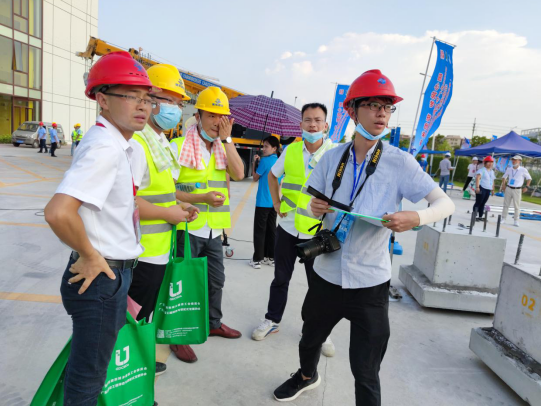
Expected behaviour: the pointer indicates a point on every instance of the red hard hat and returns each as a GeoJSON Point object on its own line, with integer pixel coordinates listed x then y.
{"type": "Point", "coordinates": [54, 125]}
{"type": "Point", "coordinates": [116, 68]}
{"type": "Point", "coordinates": [41, 123]}
{"type": "Point", "coordinates": [423, 156]}
{"type": "Point", "coordinates": [488, 159]}
{"type": "Point", "coordinates": [371, 84]}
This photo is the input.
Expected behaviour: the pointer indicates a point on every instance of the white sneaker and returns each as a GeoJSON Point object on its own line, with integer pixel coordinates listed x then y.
{"type": "Point", "coordinates": [264, 329]}
{"type": "Point", "coordinates": [516, 224]}
{"type": "Point", "coordinates": [255, 264]}
{"type": "Point", "coordinates": [328, 348]}
{"type": "Point", "coordinates": [268, 261]}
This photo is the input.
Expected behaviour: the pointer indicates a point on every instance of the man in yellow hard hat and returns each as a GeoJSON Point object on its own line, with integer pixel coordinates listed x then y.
{"type": "Point", "coordinates": [76, 137]}
{"type": "Point", "coordinates": [206, 155]}
{"type": "Point", "coordinates": [155, 170]}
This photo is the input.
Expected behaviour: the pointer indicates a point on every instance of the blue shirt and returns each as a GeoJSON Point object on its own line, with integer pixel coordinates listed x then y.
{"type": "Point", "coordinates": [54, 135]}
{"type": "Point", "coordinates": [423, 164]}
{"type": "Point", "coordinates": [263, 198]}
{"type": "Point", "coordinates": [42, 133]}
{"type": "Point", "coordinates": [364, 261]}
{"type": "Point", "coordinates": [487, 178]}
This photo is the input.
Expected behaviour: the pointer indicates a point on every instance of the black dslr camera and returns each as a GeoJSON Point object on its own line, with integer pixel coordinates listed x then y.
{"type": "Point", "coordinates": [325, 241]}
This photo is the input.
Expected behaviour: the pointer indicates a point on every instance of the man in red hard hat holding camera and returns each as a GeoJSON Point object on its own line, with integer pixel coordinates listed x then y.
{"type": "Point", "coordinates": [93, 211]}
{"type": "Point", "coordinates": [352, 268]}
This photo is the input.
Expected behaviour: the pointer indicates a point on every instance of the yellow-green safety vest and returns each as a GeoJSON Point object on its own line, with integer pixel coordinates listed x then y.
{"type": "Point", "coordinates": [156, 234]}
{"type": "Point", "coordinates": [294, 194]}
{"type": "Point", "coordinates": [209, 179]}
{"type": "Point", "coordinates": [75, 136]}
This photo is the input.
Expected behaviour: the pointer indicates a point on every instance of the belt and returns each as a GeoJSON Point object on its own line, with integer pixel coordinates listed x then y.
{"type": "Point", "coordinates": [514, 187]}
{"type": "Point", "coordinates": [123, 264]}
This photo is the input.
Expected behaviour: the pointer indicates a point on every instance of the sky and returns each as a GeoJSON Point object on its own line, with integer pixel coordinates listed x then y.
{"type": "Point", "coordinates": [300, 49]}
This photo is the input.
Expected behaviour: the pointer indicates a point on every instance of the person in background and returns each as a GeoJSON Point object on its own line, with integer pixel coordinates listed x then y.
{"type": "Point", "coordinates": [514, 188]}
{"type": "Point", "coordinates": [265, 214]}
{"type": "Point", "coordinates": [76, 137]}
{"type": "Point", "coordinates": [484, 186]}
{"type": "Point", "coordinates": [472, 170]}
{"type": "Point", "coordinates": [445, 169]}
{"type": "Point", "coordinates": [42, 137]}
{"type": "Point", "coordinates": [423, 163]}
{"type": "Point", "coordinates": [53, 133]}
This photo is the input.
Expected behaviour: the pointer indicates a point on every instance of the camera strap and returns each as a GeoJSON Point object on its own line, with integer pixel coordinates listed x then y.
{"type": "Point", "coordinates": [339, 174]}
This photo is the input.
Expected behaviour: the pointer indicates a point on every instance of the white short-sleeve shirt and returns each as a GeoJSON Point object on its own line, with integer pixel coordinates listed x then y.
{"type": "Point", "coordinates": [516, 176]}
{"type": "Point", "coordinates": [101, 177]}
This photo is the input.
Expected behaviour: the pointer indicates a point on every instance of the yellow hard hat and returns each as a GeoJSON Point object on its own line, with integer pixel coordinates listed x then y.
{"type": "Point", "coordinates": [77, 125]}
{"type": "Point", "coordinates": [214, 100]}
{"type": "Point", "coordinates": [167, 77]}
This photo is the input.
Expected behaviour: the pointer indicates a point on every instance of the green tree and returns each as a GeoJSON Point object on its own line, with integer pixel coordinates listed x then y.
{"type": "Point", "coordinates": [404, 143]}
{"type": "Point", "coordinates": [478, 141]}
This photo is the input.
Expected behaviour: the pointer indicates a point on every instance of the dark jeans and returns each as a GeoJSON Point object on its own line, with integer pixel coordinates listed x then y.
{"type": "Point", "coordinates": [284, 263]}
{"type": "Point", "coordinates": [367, 310]}
{"type": "Point", "coordinates": [77, 143]}
{"type": "Point", "coordinates": [467, 183]}
{"type": "Point", "coordinates": [53, 148]}
{"type": "Point", "coordinates": [97, 314]}
{"type": "Point", "coordinates": [264, 233]}
{"type": "Point", "coordinates": [145, 287]}
{"type": "Point", "coordinates": [444, 180]}
{"type": "Point", "coordinates": [42, 145]}
{"type": "Point", "coordinates": [212, 250]}
{"type": "Point", "coordinates": [481, 200]}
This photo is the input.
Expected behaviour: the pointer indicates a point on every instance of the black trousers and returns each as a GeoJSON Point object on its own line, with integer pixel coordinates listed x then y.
{"type": "Point", "coordinates": [43, 145]}
{"type": "Point", "coordinates": [264, 233]}
{"type": "Point", "coordinates": [284, 263]}
{"type": "Point", "coordinates": [212, 250]}
{"type": "Point", "coordinates": [53, 148]}
{"type": "Point", "coordinates": [145, 287]}
{"type": "Point", "coordinates": [481, 200]}
{"type": "Point", "coordinates": [367, 310]}
{"type": "Point", "coordinates": [467, 183]}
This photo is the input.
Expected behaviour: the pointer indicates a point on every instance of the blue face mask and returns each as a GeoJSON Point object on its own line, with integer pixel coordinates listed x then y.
{"type": "Point", "coordinates": [360, 129]}
{"type": "Point", "coordinates": [205, 135]}
{"type": "Point", "coordinates": [168, 117]}
{"type": "Point", "coordinates": [312, 137]}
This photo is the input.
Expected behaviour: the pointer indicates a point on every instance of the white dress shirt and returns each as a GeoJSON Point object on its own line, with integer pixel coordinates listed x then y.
{"type": "Point", "coordinates": [517, 176]}
{"type": "Point", "coordinates": [101, 177]}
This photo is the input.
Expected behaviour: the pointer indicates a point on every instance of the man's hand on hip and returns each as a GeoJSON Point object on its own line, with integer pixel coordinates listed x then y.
{"type": "Point", "coordinates": [88, 268]}
{"type": "Point", "coordinates": [401, 221]}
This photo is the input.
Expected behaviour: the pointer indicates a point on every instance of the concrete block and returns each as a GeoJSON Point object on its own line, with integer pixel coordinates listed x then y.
{"type": "Point", "coordinates": [518, 312]}
{"type": "Point", "coordinates": [459, 259]}
{"type": "Point", "coordinates": [516, 368]}
{"type": "Point", "coordinates": [433, 295]}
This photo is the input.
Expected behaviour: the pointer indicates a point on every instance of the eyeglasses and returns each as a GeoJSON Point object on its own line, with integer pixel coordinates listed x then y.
{"type": "Point", "coordinates": [170, 101]}
{"type": "Point", "coordinates": [134, 100]}
{"type": "Point", "coordinates": [318, 120]}
{"type": "Point", "coordinates": [377, 106]}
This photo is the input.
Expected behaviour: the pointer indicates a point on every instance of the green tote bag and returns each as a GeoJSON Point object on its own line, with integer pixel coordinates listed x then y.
{"type": "Point", "coordinates": [181, 316]}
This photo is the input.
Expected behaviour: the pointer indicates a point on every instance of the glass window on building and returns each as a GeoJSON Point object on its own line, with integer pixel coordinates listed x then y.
{"type": "Point", "coordinates": [20, 64]}
{"type": "Point", "coordinates": [34, 18]}
{"type": "Point", "coordinates": [5, 115]}
{"type": "Point", "coordinates": [6, 10]}
{"type": "Point", "coordinates": [34, 73]}
{"type": "Point", "coordinates": [6, 60]}
{"type": "Point", "coordinates": [20, 15]}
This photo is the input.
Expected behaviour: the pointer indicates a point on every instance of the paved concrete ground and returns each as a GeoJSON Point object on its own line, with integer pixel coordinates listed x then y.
{"type": "Point", "coordinates": [428, 361]}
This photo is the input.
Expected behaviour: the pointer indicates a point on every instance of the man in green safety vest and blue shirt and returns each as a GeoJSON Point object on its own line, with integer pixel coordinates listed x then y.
{"type": "Point", "coordinates": [155, 170]}
{"type": "Point", "coordinates": [295, 224]}
{"type": "Point", "coordinates": [206, 155]}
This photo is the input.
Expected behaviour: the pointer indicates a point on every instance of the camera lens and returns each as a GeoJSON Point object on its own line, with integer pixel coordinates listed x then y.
{"type": "Point", "coordinates": [310, 249]}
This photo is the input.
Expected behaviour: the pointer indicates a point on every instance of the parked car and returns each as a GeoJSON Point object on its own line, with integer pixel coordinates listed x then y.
{"type": "Point", "coordinates": [27, 134]}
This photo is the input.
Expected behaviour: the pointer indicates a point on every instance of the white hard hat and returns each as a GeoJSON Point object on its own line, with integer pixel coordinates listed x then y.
{"type": "Point", "coordinates": [475, 159]}
{"type": "Point", "coordinates": [447, 154]}
{"type": "Point", "coordinates": [517, 157]}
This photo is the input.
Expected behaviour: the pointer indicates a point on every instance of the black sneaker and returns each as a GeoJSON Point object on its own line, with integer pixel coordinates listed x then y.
{"type": "Point", "coordinates": [160, 368]}
{"type": "Point", "coordinates": [295, 386]}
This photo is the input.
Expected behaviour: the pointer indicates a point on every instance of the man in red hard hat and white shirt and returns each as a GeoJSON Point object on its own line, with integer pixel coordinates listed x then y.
{"type": "Point", "coordinates": [93, 211]}
{"type": "Point", "coordinates": [353, 282]}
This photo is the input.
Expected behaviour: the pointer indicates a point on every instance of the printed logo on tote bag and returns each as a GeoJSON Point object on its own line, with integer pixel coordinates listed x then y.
{"type": "Point", "coordinates": [172, 292]}
{"type": "Point", "coordinates": [122, 363]}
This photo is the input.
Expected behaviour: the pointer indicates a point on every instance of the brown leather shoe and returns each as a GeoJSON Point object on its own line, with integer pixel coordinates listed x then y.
{"type": "Point", "coordinates": [225, 332]}
{"type": "Point", "coordinates": [184, 353]}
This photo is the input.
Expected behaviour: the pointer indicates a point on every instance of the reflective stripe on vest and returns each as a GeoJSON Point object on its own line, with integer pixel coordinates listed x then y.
{"type": "Point", "coordinates": [211, 179]}
{"type": "Point", "coordinates": [294, 176]}
{"type": "Point", "coordinates": [156, 234]}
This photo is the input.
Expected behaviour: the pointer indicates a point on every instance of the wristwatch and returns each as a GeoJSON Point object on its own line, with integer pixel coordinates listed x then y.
{"type": "Point", "coordinates": [228, 140]}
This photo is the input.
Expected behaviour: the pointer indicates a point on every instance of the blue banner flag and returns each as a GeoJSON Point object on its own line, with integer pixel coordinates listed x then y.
{"type": "Point", "coordinates": [494, 137]}
{"type": "Point", "coordinates": [437, 97]}
{"type": "Point", "coordinates": [340, 117]}
{"type": "Point", "coordinates": [465, 144]}
{"type": "Point", "coordinates": [503, 163]}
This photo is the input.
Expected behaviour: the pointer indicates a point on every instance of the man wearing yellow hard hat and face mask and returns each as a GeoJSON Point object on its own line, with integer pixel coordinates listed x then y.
{"type": "Point", "coordinates": [155, 170]}
{"type": "Point", "coordinates": [206, 155]}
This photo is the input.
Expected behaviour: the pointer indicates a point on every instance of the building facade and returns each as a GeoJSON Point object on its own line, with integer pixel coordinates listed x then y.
{"type": "Point", "coordinates": [454, 141]}
{"type": "Point", "coordinates": [40, 76]}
